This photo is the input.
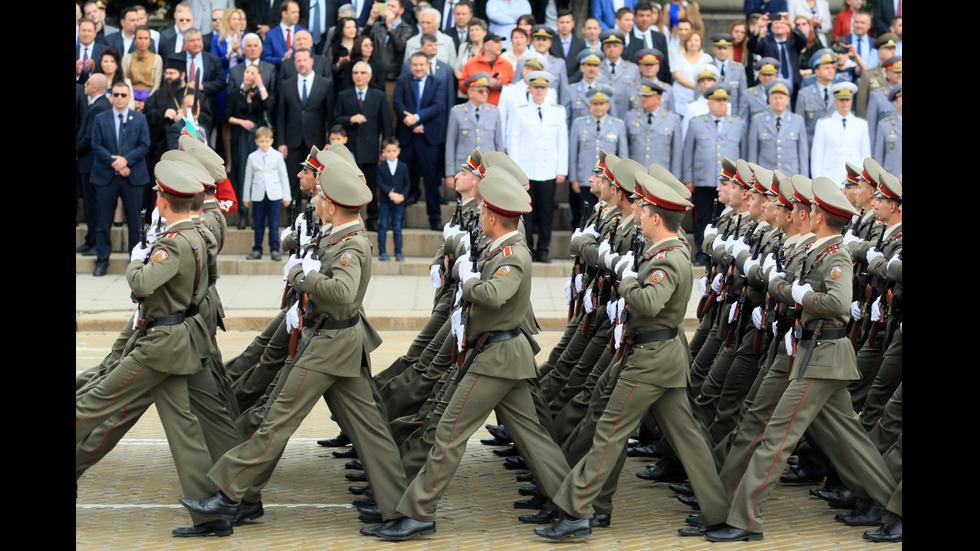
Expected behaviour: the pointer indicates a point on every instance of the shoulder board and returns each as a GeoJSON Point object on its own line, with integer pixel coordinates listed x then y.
{"type": "Point", "coordinates": [557, 105]}
{"type": "Point", "coordinates": [463, 105]}
{"type": "Point", "coordinates": [660, 253]}
{"type": "Point", "coordinates": [616, 119]}
{"type": "Point", "coordinates": [171, 235]}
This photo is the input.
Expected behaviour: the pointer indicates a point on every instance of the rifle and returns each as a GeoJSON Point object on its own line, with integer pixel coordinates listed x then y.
{"type": "Point", "coordinates": [798, 314]}
{"type": "Point", "coordinates": [873, 331]}
{"type": "Point", "coordinates": [726, 280]}
{"type": "Point", "coordinates": [578, 268]}
{"type": "Point", "coordinates": [636, 247]}
{"type": "Point", "coordinates": [703, 304]}
{"type": "Point", "coordinates": [870, 295]}
{"type": "Point", "coordinates": [743, 295]}
{"type": "Point", "coordinates": [850, 223]}
{"type": "Point", "coordinates": [768, 303]}
{"type": "Point", "coordinates": [146, 223]}
{"type": "Point", "coordinates": [598, 283]}
{"type": "Point", "coordinates": [712, 295]}
{"type": "Point", "coordinates": [464, 304]}
{"type": "Point", "coordinates": [294, 251]}
{"type": "Point", "coordinates": [313, 229]}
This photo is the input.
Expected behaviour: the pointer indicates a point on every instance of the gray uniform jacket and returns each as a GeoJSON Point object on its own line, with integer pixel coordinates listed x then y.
{"type": "Point", "coordinates": [465, 131]}
{"type": "Point", "coordinates": [707, 144]}
{"type": "Point", "coordinates": [810, 105]}
{"type": "Point", "coordinates": [656, 141]}
{"type": "Point", "coordinates": [787, 150]}
{"type": "Point", "coordinates": [584, 143]}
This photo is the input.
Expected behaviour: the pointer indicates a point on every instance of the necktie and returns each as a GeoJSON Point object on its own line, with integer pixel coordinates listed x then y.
{"type": "Point", "coordinates": [844, 121]}
{"type": "Point", "coordinates": [477, 114]}
{"type": "Point", "coordinates": [316, 23]}
{"type": "Point", "coordinates": [860, 43]}
{"type": "Point", "coordinates": [613, 69]}
{"type": "Point", "coordinates": [540, 115]}
{"type": "Point", "coordinates": [289, 39]}
{"type": "Point", "coordinates": [360, 99]}
{"type": "Point", "coordinates": [779, 123]}
{"type": "Point", "coordinates": [598, 126]}
{"type": "Point", "coordinates": [649, 118]}
{"type": "Point", "coordinates": [826, 97]}
{"type": "Point", "coordinates": [898, 12]}
{"type": "Point", "coordinates": [418, 95]}
{"type": "Point", "coordinates": [783, 61]}
{"type": "Point", "coordinates": [717, 124]}
{"type": "Point", "coordinates": [303, 98]}
{"type": "Point", "coordinates": [84, 61]}
{"type": "Point", "coordinates": [121, 126]}
{"type": "Point", "coordinates": [192, 72]}
{"type": "Point", "coordinates": [722, 70]}
{"type": "Point", "coordinates": [450, 17]}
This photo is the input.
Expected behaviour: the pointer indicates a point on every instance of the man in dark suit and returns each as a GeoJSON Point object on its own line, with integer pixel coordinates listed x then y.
{"type": "Point", "coordinates": [321, 65]}
{"type": "Point", "coordinates": [421, 128]}
{"type": "Point", "coordinates": [457, 25]}
{"type": "Point", "coordinates": [203, 67]}
{"type": "Point", "coordinates": [279, 40]}
{"type": "Point", "coordinates": [565, 44]}
{"type": "Point", "coordinates": [363, 112]}
{"type": "Point", "coordinates": [301, 121]}
{"type": "Point", "coordinates": [784, 43]}
{"type": "Point", "coordinates": [172, 39]}
{"type": "Point", "coordinates": [120, 141]}
{"type": "Point", "coordinates": [124, 41]}
{"type": "Point", "coordinates": [323, 17]}
{"type": "Point", "coordinates": [97, 102]}
{"type": "Point", "coordinates": [87, 50]}
{"type": "Point", "coordinates": [265, 14]}
{"type": "Point", "coordinates": [644, 32]}
{"type": "Point", "coordinates": [884, 12]}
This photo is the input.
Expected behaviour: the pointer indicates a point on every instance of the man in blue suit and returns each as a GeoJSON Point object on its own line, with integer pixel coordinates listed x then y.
{"type": "Point", "coordinates": [279, 40]}
{"type": "Point", "coordinates": [605, 12]}
{"type": "Point", "coordinates": [420, 105]}
{"type": "Point", "coordinates": [120, 142]}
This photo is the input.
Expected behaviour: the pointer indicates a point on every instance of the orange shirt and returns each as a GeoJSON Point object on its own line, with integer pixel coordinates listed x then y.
{"type": "Point", "coordinates": [500, 68]}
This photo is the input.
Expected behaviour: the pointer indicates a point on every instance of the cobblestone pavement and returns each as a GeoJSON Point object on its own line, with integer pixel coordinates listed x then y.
{"type": "Point", "coordinates": [129, 500]}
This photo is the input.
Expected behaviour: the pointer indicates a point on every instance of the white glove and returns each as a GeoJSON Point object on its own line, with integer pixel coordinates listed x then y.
{"type": "Point", "coordinates": [285, 233]}
{"type": "Point", "coordinates": [587, 301]}
{"type": "Point", "coordinates": [856, 310]}
{"type": "Point", "coordinates": [460, 338]}
{"type": "Point", "coordinates": [628, 271]}
{"type": "Point", "coordinates": [892, 259]}
{"type": "Point", "coordinates": [468, 242]}
{"type": "Point", "coordinates": [730, 245]}
{"type": "Point", "coordinates": [568, 290]}
{"type": "Point", "coordinates": [739, 246]}
{"type": "Point", "coordinates": [789, 342]}
{"type": "Point", "coordinates": [900, 327]}
{"type": "Point", "coordinates": [140, 252]}
{"type": "Point", "coordinates": [799, 291]}
{"type": "Point", "coordinates": [459, 295]}
{"type": "Point", "coordinates": [455, 319]}
{"type": "Point", "coordinates": [136, 319]}
{"type": "Point", "coordinates": [716, 283]}
{"type": "Point", "coordinates": [310, 264]}
{"type": "Point", "coordinates": [591, 230]}
{"type": "Point", "coordinates": [620, 305]}
{"type": "Point", "coordinates": [435, 273]}
{"type": "Point", "coordinates": [749, 264]}
{"type": "Point", "coordinates": [775, 329]}
{"type": "Point", "coordinates": [719, 243]}
{"type": "Point", "coordinates": [618, 334]}
{"type": "Point", "coordinates": [604, 247]}
{"type": "Point", "coordinates": [300, 223]}
{"type": "Point", "coordinates": [731, 314]}
{"type": "Point", "coordinates": [849, 237]}
{"type": "Point", "coordinates": [579, 283]}
{"type": "Point", "coordinates": [775, 273]}
{"type": "Point", "coordinates": [155, 217]}
{"type": "Point", "coordinates": [304, 239]}
{"type": "Point", "coordinates": [873, 254]}
{"type": "Point", "coordinates": [876, 310]}
{"type": "Point", "coordinates": [576, 234]}
{"type": "Point", "coordinates": [447, 230]}
{"type": "Point", "coordinates": [611, 310]}
{"type": "Point", "coordinates": [769, 262]}
{"type": "Point", "coordinates": [292, 317]}
{"type": "Point", "coordinates": [624, 260]}
{"type": "Point", "coordinates": [703, 285]}
{"type": "Point", "coordinates": [611, 259]}
{"type": "Point", "coordinates": [710, 230]}
{"type": "Point", "coordinates": [757, 317]}
{"type": "Point", "coordinates": [466, 272]}
{"type": "Point", "coordinates": [290, 264]}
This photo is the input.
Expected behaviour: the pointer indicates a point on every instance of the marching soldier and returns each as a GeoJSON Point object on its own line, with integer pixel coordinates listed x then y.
{"type": "Point", "coordinates": [588, 135]}
{"type": "Point", "coordinates": [655, 131]}
{"type": "Point", "coordinates": [474, 124]}
{"type": "Point", "coordinates": [777, 138]}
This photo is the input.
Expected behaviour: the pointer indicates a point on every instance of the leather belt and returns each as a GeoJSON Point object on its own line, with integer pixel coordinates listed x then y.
{"type": "Point", "coordinates": [648, 337]}
{"type": "Point", "coordinates": [499, 336]}
{"type": "Point", "coordinates": [172, 319]}
{"type": "Point", "coordinates": [332, 324]}
{"type": "Point", "coordinates": [192, 311]}
{"type": "Point", "coordinates": [827, 334]}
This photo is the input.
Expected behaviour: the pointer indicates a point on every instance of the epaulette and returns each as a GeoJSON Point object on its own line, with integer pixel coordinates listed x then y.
{"type": "Point", "coordinates": [616, 119]}
{"type": "Point", "coordinates": [660, 253]}
{"type": "Point", "coordinates": [463, 105]}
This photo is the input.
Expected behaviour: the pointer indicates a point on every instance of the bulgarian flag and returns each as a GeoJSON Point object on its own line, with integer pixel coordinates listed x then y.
{"type": "Point", "coordinates": [189, 128]}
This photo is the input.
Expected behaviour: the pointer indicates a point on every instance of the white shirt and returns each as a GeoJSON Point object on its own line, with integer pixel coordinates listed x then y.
{"type": "Point", "coordinates": [179, 44]}
{"type": "Point", "coordinates": [308, 79]}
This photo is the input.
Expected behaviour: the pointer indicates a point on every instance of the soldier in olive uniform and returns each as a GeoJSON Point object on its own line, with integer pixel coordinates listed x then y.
{"type": "Point", "coordinates": [329, 361]}
{"type": "Point", "coordinates": [653, 372]}
{"type": "Point", "coordinates": [816, 101]}
{"type": "Point", "coordinates": [496, 370]}
{"type": "Point", "coordinates": [819, 375]}
{"type": "Point", "coordinates": [588, 135]}
{"type": "Point", "coordinates": [777, 138]}
{"type": "Point", "coordinates": [473, 124]}
{"type": "Point", "coordinates": [654, 131]}
{"type": "Point", "coordinates": [888, 136]}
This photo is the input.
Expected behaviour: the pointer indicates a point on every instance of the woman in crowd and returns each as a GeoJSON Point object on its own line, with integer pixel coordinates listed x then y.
{"type": "Point", "coordinates": [143, 68]}
{"type": "Point", "coordinates": [227, 45]}
{"type": "Point", "coordinates": [660, 22]}
{"type": "Point", "coordinates": [110, 65]}
{"type": "Point", "coordinates": [477, 32]}
{"type": "Point", "coordinates": [685, 67]}
{"type": "Point", "coordinates": [363, 50]}
{"type": "Point", "coordinates": [341, 45]}
{"type": "Point", "coordinates": [842, 26]}
{"type": "Point", "coordinates": [817, 14]}
{"type": "Point", "coordinates": [518, 51]}
{"type": "Point", "coordinates": [802, 23]}
{"type": "Point", "coordinates": [247, 109]}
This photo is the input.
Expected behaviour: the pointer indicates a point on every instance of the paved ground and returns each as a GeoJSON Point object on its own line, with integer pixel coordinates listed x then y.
{"type": "Point", "coordinates": [129, 500]}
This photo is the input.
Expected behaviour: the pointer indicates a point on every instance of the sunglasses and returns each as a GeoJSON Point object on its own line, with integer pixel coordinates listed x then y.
{"type": "Point", "coordinates": [120, 95]}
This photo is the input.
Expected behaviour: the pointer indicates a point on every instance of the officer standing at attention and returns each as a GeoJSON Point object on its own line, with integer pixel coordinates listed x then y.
{"type": "Point", "coordinates": [496, 370]}
{"type": "Point", "coordinates": [328, 361]}
{"type": "Point", "coordinates": [839, 138]}
{"type": "Point", "coordinates": [473, 124]}
{"type": "Point", "coordinates": [654, 131]}
{"type": "Point", "coordinates": [588, 135]}
{"type": "Point", "coordinates": [709, 140]}
{"type": "Point", "coordinates": [731, 74]}
{"type": "Point", "coordinates": [652, 374]}
{"type": "Point", "coordinates": [815, 101]}
{"type": "Point", "coordinates": [888, 137]}
{"type": "Point", "coordinates": [777, 138]}
{"type": "Point", "coordinates": [578, 105]}
{"type": "Point", "coordinates": [818, 377]}
{"type": "Point", "coordinates": [755, 100]}
{"type": "Point", "coordinates": [538, 142]}
{"type": "Point", "coordinates": [649, 61]}
{"type": "Point", "coordinates": [618, 71]}
{"type": "Point", "coordinates": [165, 276]}
{"type": "Point", "coordinates": [541, 36]}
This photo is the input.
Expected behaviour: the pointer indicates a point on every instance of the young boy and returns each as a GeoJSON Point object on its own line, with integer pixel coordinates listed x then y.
{"type": "Point", "coordinates": [392, 187]}
{"type": "Point", "coordinates": [337, 134]}
{"type": "Point", "coordinates": [267, 185]}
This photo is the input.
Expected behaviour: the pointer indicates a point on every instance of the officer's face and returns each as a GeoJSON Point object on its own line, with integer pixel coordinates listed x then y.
{"type": "Point", "coordinates": [595, 184]}
{"type": "Point", "coordinates": [538, 93]}
{"type": "Point", "coordinates": [814, 215]}
{"type": "Point", "coordinates": [648, 220]}
{"type": "Point", "coordinates": [724, 191]}
{"type": "Point", "coordinates": [613, 51]}
{"type": "Point", "coordinates": [766, 79]}
{"type": "Point", "coordinates": [478, 94]}
{"type": "Point", "coordinates": [706, 83]}
{"type": "Point", "coordinates": [465, 180]}
{"type": "Point", "coordinates": [770, 208]}
{"type": "Point", "coordinates": [850, 191]}
{"type": "Point", "coordinates": [864, 192]}
{"type": "Point", "coordinates": [779, 102]}
{"type": "Point", "coordinates": [784, 218]}
{"type": "Point", "coordinates": [843, 106]}
{"type": "Point", "coordinates": [801, 217]}
{"type": "Point", "coordinates": [541, 44]}
{"type": "Point", "coordinates": [589, 71]}
{"type": "Point", "coordinates": [721, 53]}
{"type": "Point", "coordinates": [756, 205]}
{"type": "Point", "coordinates": [825, 72]}
{"type": "Point", "coordinates": [650, 103]}
{"type": "Point", "coordinates": [649, 71]}
{"type": "Point", "coordinates": [600, 109]}
{"type": "Point", "coordinates": [718, 107]}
